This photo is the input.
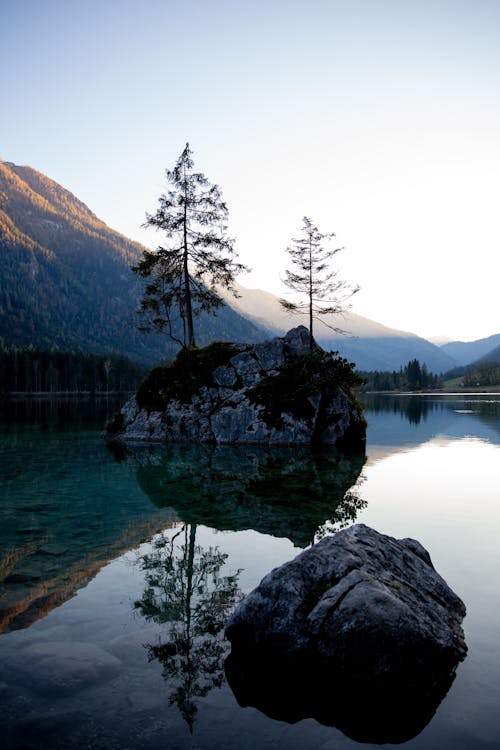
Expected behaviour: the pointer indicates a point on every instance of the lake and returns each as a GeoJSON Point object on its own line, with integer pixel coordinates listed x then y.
{"type": "Point", "coordinates": [119, 568]}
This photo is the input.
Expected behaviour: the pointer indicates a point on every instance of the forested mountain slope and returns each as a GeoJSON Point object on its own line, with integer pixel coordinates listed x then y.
{"type": "Point", "coordinates": [65, 278]}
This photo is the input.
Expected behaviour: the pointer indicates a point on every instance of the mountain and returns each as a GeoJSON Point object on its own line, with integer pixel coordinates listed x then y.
{"type": "Point", "coordinates": [371, 345]}
{"type": "Point", "coordinates": [466, 352]}
{"type": "Point", "coordinates": [492, 357]}
{"type": "Point", "coordinates": [65, 278]}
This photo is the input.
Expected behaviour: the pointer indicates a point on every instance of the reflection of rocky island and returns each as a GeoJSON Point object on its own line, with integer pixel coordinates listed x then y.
{"type": "Point", "coordinates": [359, 632]}
{"type": "Point", "coordinates": [282, 491]}
{"type": "Point", "coordinates": [186, 591]}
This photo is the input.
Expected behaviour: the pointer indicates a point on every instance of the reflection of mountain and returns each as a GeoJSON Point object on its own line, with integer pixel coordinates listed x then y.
{"type": "Point", "coordinates": [413, 420]}
{"type": "Point", "coordinates": [67, 509]}
{"type": "Point", "coordinates": [281, 491]}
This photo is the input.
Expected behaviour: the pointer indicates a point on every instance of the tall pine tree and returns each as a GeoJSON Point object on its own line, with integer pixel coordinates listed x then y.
{"type": "Point", "coordinates": [199, 256]}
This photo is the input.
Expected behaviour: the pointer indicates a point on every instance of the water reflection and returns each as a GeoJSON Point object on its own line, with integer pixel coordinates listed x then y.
{"type": "Point", "coordinates": [282, 491]}
{"type": "Point", "coordinates": [413, 408]}
{"type": "Point", "coordinates": [186, 591]}
{"type": "Point", "coordinates": [421, 408]}
{"type": "Point", "coordinates": [398, 420]}
{"type": "Point", "coordinates": [68, 505]}
{"type": "Point", "coordinates": [66, 509]}
{"type": "Point", "coordinates": [366, 706]}
{"type": "Point", "coordinates": [18, 415]}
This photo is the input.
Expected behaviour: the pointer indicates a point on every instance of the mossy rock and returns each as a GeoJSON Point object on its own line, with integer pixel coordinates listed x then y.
{"type": "Point", "coordinates": [302, 378]}
{"type": "Point", "coordinates": [191, 370]}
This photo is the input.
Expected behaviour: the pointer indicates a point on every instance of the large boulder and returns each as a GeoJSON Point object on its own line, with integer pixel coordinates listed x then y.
{"type": "Point", "coordinates": [359, 631]}
{"type": "Point", "coordinates": [272, 392]}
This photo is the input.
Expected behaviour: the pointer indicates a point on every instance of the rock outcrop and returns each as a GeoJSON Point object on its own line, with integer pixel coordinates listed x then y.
{"type": "Point", "coordinates": [272, 392]}
{"type": "Point", "coordinates": [359, 632]}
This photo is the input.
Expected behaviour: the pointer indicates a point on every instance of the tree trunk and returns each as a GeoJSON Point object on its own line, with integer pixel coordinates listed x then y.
{"type": "Point", "coordinates": [310, 299]}
{"type": "Point", "coordinates": [187, 286]}
{"type": "Point", "coordinates": [189, 557]}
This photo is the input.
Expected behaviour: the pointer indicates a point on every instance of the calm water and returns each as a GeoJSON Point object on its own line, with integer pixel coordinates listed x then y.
{"type": "Point", "coordinates": [118, 569]}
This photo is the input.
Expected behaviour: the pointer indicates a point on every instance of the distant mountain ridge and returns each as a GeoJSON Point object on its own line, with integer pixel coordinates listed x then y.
{"type": "Point", "coordinates": [65, 277]}
{"type": "Point", "coordinates": [371, 345]}
{"type": "Point", "coordinates": [466, 352]}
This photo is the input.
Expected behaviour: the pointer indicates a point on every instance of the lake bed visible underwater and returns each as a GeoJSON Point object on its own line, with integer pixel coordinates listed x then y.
{"type": "Point", "coordinates": [119, 567]}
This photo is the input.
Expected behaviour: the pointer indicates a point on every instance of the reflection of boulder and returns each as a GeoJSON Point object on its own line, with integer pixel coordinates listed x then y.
{"type": "Point", "coordinates": [283, 491]}
{"type": "Point", "coordinates": [359, 632]}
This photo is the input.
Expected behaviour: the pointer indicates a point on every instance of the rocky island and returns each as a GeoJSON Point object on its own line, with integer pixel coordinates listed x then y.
{"type": "Point", "coordinates": [277, 392]}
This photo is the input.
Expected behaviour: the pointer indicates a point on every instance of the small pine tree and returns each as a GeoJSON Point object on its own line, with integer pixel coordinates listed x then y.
{"type": "Point", "coordinates": [325, 293]}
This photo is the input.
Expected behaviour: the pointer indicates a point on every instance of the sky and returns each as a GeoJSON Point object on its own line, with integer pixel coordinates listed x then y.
{"type": "Point", "coordinates": [378, 119]}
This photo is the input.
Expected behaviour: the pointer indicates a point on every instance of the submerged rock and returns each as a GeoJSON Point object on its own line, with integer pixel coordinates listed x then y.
{"type": "Point", "coordinates": [63, 668]}
{"type": "Point", "coordinates": [359, 632]}
{"type": "Point", "coordinates": [271, 392]}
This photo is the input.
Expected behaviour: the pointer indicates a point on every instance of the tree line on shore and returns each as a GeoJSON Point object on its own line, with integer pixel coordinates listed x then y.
{"type": "Point", "coordinates": [413, 377]}
{"type": "Point", "coordinates": [52, 371]}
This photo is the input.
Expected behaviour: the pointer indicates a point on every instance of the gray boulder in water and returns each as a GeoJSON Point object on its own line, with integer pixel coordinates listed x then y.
{"type": "Point", "coordinates": [359, 632]}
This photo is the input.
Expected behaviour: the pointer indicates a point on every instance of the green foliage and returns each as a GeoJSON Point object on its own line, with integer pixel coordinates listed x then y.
{"type": "Point", "coordinates": [302, 377]}
{"type": "Point", "coordinates": [413, 377]}
{"type": "Point", "coordinates": [482, 373]}
{"type": "Point", "coordinates": [191, 369]}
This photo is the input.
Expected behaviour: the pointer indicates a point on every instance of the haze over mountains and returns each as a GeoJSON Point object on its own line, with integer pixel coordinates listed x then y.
{"type": "Point", "coordinates": [65, 281]}
{"type": "Point", "coordinates": [371, 345]}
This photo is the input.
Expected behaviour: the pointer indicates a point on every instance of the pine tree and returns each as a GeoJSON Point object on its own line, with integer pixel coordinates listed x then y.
{"type": "Point", "coordinates": [182, 277]}
{"type": "Point", "coordinates": [325, 293]}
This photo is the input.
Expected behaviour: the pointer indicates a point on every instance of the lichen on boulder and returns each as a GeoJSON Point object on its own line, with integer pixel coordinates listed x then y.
{"type": "Point", "coordinates": [278, 391]}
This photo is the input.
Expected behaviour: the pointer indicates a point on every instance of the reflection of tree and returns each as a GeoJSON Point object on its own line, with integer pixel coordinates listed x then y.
{"type": "Point", "coordinates": [186, 590]}
{"type": "Point", "coordinates": [344, 514]}
{"type": "Point", "coordinates": [413, 408]}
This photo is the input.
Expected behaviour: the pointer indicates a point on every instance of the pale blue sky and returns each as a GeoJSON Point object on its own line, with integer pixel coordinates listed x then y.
{"type": "Point", "coordinates": [378, 118]}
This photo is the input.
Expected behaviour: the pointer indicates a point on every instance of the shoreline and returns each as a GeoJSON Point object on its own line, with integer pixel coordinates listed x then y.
{"type": "Point", "coordinates": [62, 394]}
{"type": "Point", "coordinates": [485, 391]}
